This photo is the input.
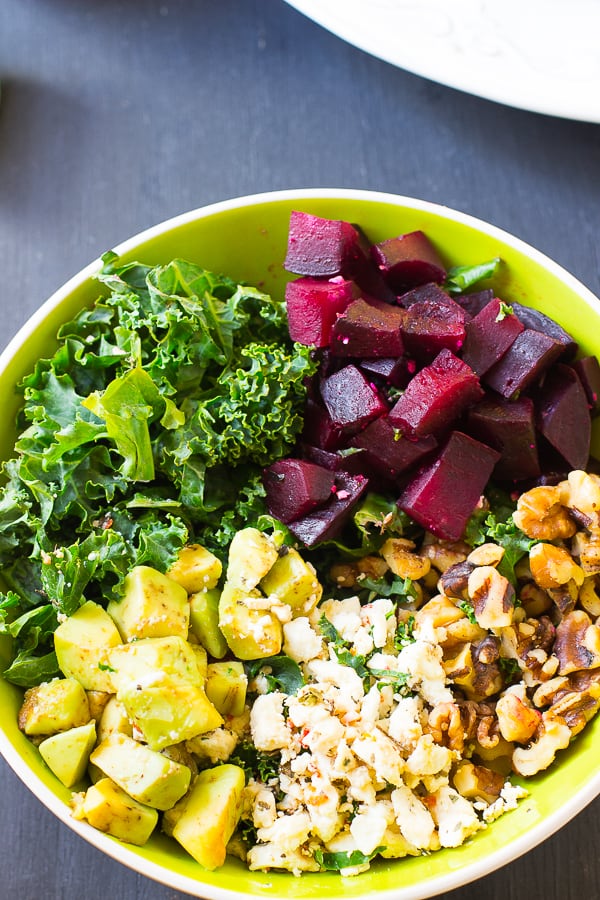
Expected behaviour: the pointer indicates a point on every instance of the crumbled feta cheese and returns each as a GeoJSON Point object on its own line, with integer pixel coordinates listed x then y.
{"type": "Point", "coordinates": [508, 799]}
{"type": "Point", "coordinates": [404, 724]}
{"type": "Point", "coordinates": [368, 827]}
{"type": "Point", "coordinates": [300, 641]}
{"type": "Point", "coordinates": [379, 752]}
{"type": "Point", "coordinates": [413, 818]}
{"type": "Point", "coordinates": [423, 662]}
{"type": "Point", "coordinates": [454, 816]}
{"type": "Point", "coordinates": [429, 758]}
{"type": "Point", "coordinates": [267, 722]}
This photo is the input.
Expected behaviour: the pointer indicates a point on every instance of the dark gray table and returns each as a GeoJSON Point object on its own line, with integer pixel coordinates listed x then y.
{"type": "Point", "coordinates": [116, 115]}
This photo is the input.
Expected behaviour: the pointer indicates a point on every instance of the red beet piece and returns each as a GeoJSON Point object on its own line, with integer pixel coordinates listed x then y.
{"type": "Point", "coordinates": [588, 370]}
{"type": "Point", "coordinates": [368, 330]}
{"type": "Point", "coordinates": [475, 302]}
{"type": "Point", "coordinates": [444, 494]}
{"type": "Point", "coordinates": [313, 306]}
{"type": "Point", "coordinates": [295, 487]}
{"type": "Point", "coordinates": [326, 522]}
{"type": "Point", "coordinates": [394, 372]}
{"type": "Point", "coordinates": [563, 415]}
{"type": "Point", "coordinates": [533, 318]}
{"type": "Point", "coordinates": [430, 291]}
{"type": "Point", "coordinates": [408, 260]}
{"type": "Point", "coordinates": [351, 400]}
{"type": "Point", "coordinates": [318, 429]}
{"type": "Point", "coordinates": [436, 397]}
{"type": "Point", "coordinates": [523, 364]}
{"type": "Point", "coordinates": [508, 426]}
{"type": "Point", "coordinates": [335, 461]}
{"type": "Point", "coordinates": [387, 451]}
{"type": "Point", "coordinates": [430, 327]}
{"type": "Point", "coordinates": [489, 335]}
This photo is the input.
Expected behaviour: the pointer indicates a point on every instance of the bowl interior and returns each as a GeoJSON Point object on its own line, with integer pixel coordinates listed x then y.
{"type": "Point", "coordinates": [247, 240]}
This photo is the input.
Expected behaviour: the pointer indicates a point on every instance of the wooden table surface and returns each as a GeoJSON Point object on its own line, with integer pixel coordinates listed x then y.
{"type": "Point", "coordinates": [117, 115]}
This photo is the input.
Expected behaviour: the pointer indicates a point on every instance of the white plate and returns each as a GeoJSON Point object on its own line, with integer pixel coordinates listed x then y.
{"type": "Point", "coordinates": [540, 55]}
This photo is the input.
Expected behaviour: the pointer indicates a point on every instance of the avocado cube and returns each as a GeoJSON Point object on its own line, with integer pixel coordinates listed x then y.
{"type": "Point", "coordinates": [201, 660]}
{"type": "Point", "coordinates": [251, 631]}
{"type": "Point", "coordinates": [251, 555]}
{"type": "Point", "coordinates": [169, 711]}
{"type": "Point", "coordinates": [153, 605]}
{"type": "Point", "coordinates": [147, 776]}
{"type": "Point", "coordinates": [54, 706]}
{"type": "Point", "coordinates": [196, 569]}
{"type": "Point", "coordinates": [151, 659]}
{"type": "Point", "coordinates": [114, 720]}
{"type": "Point", "coordinates": [97, 701]}
{"type": "Point", "coordinates": [294, 581]}
{"type": "Point", "coordinates": [204, 622]}
{"type": "Point", "coordinates": [108, 808]}
{"type": "Point", "coordinates": [226, 684]}
{"type": "Point", "coordinates": [67, 753]}
{"type": "Point", "coordinates": [211, 814]}
{"type": "Point", "coordinates": [81, 642]}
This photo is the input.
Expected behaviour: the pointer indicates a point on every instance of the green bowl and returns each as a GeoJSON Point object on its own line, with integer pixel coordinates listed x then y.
{"type": "Point", "coordinates": [246, 238]}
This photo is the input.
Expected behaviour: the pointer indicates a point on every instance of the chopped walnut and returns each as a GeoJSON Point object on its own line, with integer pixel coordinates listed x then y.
{"type": "Point", "coordinates": [589, 597]}
{"type": "Point", "coordinates": [586, 548]}
{"type": "Point", "coordinates": [444, 554]}
{"type": "Point", "coordinates": [553, 735]}
{"type": "Point", "coordinates": [350, 574]}
{"type": "Point", "coordinates": [552, 566]}
{"type": "Point", "coordinates": [478, 782]}
{"type": "Point", "coordinates": [581, 492]}
{"type": "Point", "coordinates": [455, 580]}
{"type": "Point", "coordinates": [577, 643]}
{"type": "Point", "coordinates": [492, 596]}
{"type": "Point", "coordinates": [517, 721]}
{"type": "Point", "coordinates": [542, 516]}
{"type": "Point", "coordinates": [486, 555]}
{"type": "Point", "coordinates": [399, 556]}
{"type": "Point", "coordinates": [446, 726]}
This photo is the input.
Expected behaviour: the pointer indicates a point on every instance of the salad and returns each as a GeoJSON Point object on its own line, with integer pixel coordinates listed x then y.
{"type": "Point", "coordinates": [309, 581]}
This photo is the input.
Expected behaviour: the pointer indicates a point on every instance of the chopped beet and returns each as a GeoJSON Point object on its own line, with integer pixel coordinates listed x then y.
{"type": "Point", "coordinates": [475, 302]}
{"type": "Point", "coordinates": [443, 495]}
{"type": "Point", "coordinates": [430, 326]}
{"type": "Point", "coordinates": [336, 460]}
{"type": "Point", "coordinates": [294, 487]}
{"type": "Point", "coordinates": [507, 426]}
{"type": "Point", "coordinates": [563, 416]}
{"type": "Point", "coordinates": [408, 260]}
{"type": "Point", "coordinates": [320, 247]}
{"type": "Point", "coordinates": [539, 321]}
{"type": "Point", "coordinates": [430, 291]}
{"type": "Point", "coordinates": [387, 451]}
{"type": "Point", "coordinates": [588, 370]}
{"type": "Point", "coordinates": [489, 335]}
{"type": "Point", "coordinates": [318, 428]}
{"type": "Point", "coordinates": [314, 305]}
{"type": "Point", "coordinates": [394, 372]}
{"type": "Point", "coordinates": [351, 400]}
{"type": "Point", "coordinates": [327, 521]}
{"type": "Point", "coordinates": [524, 362]}
{"type": "Point", "coordinates": [365, 329]}
{"type": "Point", "coordinates": [436, 397]}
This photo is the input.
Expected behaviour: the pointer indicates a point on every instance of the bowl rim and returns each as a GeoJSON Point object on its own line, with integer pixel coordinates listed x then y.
{"type": "Point", "coordinates": [120, 852]}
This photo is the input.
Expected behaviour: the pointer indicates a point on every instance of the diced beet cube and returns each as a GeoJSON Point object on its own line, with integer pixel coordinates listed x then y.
{"type": "Point", "coordinates": [539, 321]}
{"type": "Point", "coordinates": [489, 335]}
{"type": "Point", "coordinates": [508, 426]}
{"type": "Point", "coordinates": [294, 487]}
{"type": "Point", "coordinates": [351, 400]}
{"type": "Point", "coordinates": [475, 302]}
{"type": "Point", "coordinates": [368, 330]}
{"type": "Point", "coordinates": [528, 357]}
{"type": "Point", "coordinates": [313, 306]}
{"type": "Point", "coordinates": [388, 451]}
{"type": "Point", "coordinates": [563, 415]}
{"type": "Point", "coordinates": [430, 291]}
{"type": "Point", "coordinates": [444, 494]}
{"type": "Point", "coordinates": [436, 397]}
{"type": "Point", "coordinates": [336, 460]}
{"type": "Point", "coordinates": [408, 260]}
{"type": "Point", "coordinates": [318, 429]}
{"type": "Point", "coordinates": [326, 522]}
{"type": "Point", "coordinates": [394, 372]}
{"type": "Point", "coordinates": [429, 327]}
{"type": "Point", "coordinates": [320, 247]}
{"type": "Point", "coordinates": [588, 370]}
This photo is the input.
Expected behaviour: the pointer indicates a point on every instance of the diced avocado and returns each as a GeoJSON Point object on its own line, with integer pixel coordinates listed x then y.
{"type": "Point", "coordinates": [294, 581]}
{"type": "Point", "coordinates": [251, 633]}
{"type": "Point", "coordinates": [153, 605]}
{"type": "Point", "coordinates": [211, 814]}
{"type": "Point", "coordinates": [54, 706]}
{"type": "Point", "coordinates": [196, 569]}
{"type": "Point", "coordinates": [226, 684]}
{"type": "Point", "coordinates": [81, 642]}
{"type": "Point", "coordinates": [146, 660]}
{"type": "Point", "coordinates": [169, 711]}
{"type": "Point", "coordinates": [147, 776]}
{"type": "Point", "coordinates": [204, 622]}
{"type": "Point", "coordinates": [97, 701]}
{"type": "Point", "coordinates": [114, 720]}
{"type": "Point", "coordinates": [108, 808]}
{"type": "Point", "coordinates": [201, 659]}
{"type": "Point", "coordinates": [251, 555]}
{"type": "Point", "coordinates": [67, 753]}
